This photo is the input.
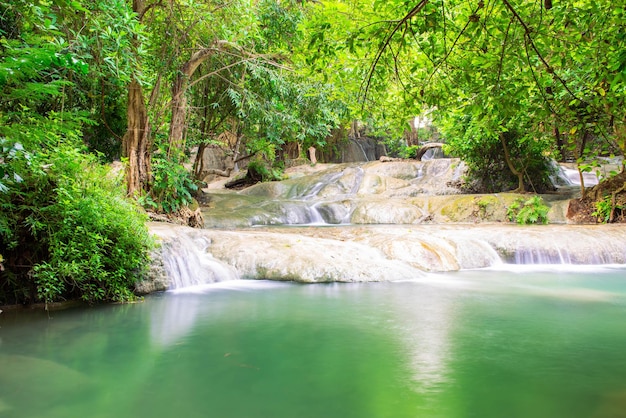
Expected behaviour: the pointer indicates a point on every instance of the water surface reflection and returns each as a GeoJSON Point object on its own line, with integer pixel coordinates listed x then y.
{"type": "Point", "coordinates": [476, 343]}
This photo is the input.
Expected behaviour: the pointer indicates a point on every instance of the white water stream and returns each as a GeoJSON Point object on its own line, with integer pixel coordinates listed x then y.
{"type": "Point", "coordinates": [377, 253]}
{"type": "Point", "coordinates": [399, 221]}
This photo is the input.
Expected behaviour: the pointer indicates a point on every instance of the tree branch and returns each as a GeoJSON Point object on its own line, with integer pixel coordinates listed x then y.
{"type": "Point", "coordinates": [506, 37]}
{"type": "Point", "coordinates": [381, 50]}
{"type": "Point", "coordinates": [528, 32]}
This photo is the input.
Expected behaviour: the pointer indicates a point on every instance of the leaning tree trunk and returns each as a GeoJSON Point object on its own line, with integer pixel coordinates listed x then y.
{"type": "Point", "coordinates": [579, 158]}
{"type": "Point", "coordinates": [519, 174]}
{"type": "Point", "coordinates": [422, 150]}
{"type": "Point", "coordinates": [136, 142]}
{"type": "Point", "coordinates": [179, 97]}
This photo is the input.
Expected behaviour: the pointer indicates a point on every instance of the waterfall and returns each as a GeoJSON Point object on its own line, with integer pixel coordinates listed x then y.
{"type": "Point", "coordinates": [188, 263]}
{"type": "Point", "coordinates": [377, 253]}
{"type": "Point", "coordinates": [312, 192]}
{"type": "Point", "coordinates": [569, 176]}
{"type": "Point", "coordinates": [362, 150]}
{"type": "Point", "coordinates": [398, 228]}
{"type": "Point", "coordinates": [321, 203]}
{"type": "Point", "coordinates": [541, 256]}
{"type": "Point", "coordinates": [360, 173]}
{"type": "Point", "coordinates": [600, 255]}
{"type": "Point", "coordinates": [578, 245]}
{"type": "Point", "coordinates": [300, 213]}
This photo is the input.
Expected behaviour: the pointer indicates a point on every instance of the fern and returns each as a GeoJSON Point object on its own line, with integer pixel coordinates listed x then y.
{"type": "Point", "coordinates": [529, 211]}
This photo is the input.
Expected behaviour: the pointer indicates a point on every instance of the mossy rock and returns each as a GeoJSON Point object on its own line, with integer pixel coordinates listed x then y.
{"type": "Point", "coordinates": [471, 208]}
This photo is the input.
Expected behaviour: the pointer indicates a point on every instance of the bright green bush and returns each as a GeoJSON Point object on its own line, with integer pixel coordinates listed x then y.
{"type": "Point", "coordinates": [258, 168]}
{"type": "Point", "coordinates": [605, 207]}
{"type": "Point", "coordinates": [529, 211]}
{"type": "Point", "coordinates": [70, 232]}
{"type": "Point", "coordinates": [172, 185]}
{"type": "Point", "coordinates": [409, 152]}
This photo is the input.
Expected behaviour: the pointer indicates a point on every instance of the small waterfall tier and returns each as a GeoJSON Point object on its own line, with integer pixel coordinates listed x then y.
{"type": "Point", "coordinates": [368, 193]}
{"type": "Point", "coordinates": [376, 253]}
{"type": "Point", "coordinates": [186, 260]}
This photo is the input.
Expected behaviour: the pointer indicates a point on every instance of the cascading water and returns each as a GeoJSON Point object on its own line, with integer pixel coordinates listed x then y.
{"type": "Point", "coordinates": [320, 203]}
{"type": "Point", "coordinates": [312, 192]}
{"type": "Point", "coordinates": [600, 254]}
{"type": "Point", "coordinates": [187, 261]}
{"type": "Point", "coordinates": [566, 176]}
{"type": "Point", "coordinates": [375, 192]}
{"type": "Point", "coordinates": [398, 220]}
{"type": "Point", "coordinates": [377, 253]}
{"type": "Point", "coordinates": [362, 150]}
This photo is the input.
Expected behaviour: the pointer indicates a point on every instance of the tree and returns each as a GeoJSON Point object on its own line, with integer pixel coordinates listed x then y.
{"type": "Point", "coordinates": [137, 141]}
{"type": "Point", "coordinates": [259, 97]}
{"type": "Point", "coordinates": [526, 64]}
{"type": "Point", "coordinates": [65, 228]}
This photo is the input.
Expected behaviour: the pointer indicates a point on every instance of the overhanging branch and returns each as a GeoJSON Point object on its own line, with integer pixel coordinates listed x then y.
{"type": "Point", "coordinates": [385, 44]}
{"type": "Point", "coordinates": [531, 42]}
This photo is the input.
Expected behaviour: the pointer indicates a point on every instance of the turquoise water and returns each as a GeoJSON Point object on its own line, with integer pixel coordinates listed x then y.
{"type": "Point", "coordinates": [470, 344]}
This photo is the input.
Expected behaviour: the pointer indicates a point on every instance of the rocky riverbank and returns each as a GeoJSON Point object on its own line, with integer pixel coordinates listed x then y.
{"type": "Point", "coordinates": [375, 221]}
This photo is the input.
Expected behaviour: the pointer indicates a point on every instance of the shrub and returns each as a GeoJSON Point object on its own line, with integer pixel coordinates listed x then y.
{"type": "Point", "coordinates": [258, 169]}
{"type": "Point", "coordinates": [530, 211]}
{"type": "Point", "coordinates": [409, 152]}
{"type": "Point", "coordinates": [73, 233]}
{"type": "Point", "coordinates": [604, 209]}
{"type": "Point", "coordinates": [172, 186]}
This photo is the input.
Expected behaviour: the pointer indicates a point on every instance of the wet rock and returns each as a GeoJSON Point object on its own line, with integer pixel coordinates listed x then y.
{"type": "Point", "coordinates": [384, 253]}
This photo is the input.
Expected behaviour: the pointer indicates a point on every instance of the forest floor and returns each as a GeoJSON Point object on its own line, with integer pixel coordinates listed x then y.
{"type": "Point", "coordinates": [608, 195]}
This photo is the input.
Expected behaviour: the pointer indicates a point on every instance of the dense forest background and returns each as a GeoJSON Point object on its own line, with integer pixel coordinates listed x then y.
{"type": "Point", "coordinates": [510, 86]}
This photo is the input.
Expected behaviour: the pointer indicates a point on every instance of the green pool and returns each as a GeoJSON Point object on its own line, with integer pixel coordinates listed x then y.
{"type": "Point", "coordinates": [482, 343]}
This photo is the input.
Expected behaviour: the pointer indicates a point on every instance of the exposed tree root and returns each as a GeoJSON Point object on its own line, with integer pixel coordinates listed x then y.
{"type": "Point", "coordinates": [184, 216]}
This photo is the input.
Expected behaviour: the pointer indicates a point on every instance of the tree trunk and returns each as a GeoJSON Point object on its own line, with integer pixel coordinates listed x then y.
{"type": "Point", "coordinates": [179, 98]}
{"type": "Point", "coordinates": [179, 114]}
{"type": "Point", "coordinates": [198, 164]}
{"type": "Point", "coordinates": [560, 145]}
{"type": "Point", "coordinates": [579, 158]}
{"type": "Point", "coordinates": [509, 163]}
{"type": "Point", "coordinates": [136, 142]}
{"type": "Point", "coordinates": [422, 150]}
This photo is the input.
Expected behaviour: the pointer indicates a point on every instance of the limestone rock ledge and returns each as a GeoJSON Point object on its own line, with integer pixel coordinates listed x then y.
{"type": "Point", "coordinates": [157, 277]}
{"type": "Point", "coordinates": [370, 253]}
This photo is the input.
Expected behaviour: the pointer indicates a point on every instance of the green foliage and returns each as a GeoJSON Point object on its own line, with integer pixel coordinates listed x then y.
{"type": "Point", "coordinates": [172, 185]}
{"type": "Point", "coordinates": [341, 38]}
{"type": "Point", "coordinates": [554, 77]}
{"type": "Point", "coordinates": [68, 58]}
{"type": "Point", "coordinates": [249, 87]}
{"type": "Point", "coordinates": [483, 205]}
{"type": "Point", "coordinates": [280, 23]}
{"type": "Point", "coordinates": [399, 148]}
{"type": "Point", "coordinates": [528, 211]}
{"type": "Point", "coordinates": [284, 110]}
{"type": "Point", "coordinates": [70, 223]}
{"type": "Point", "coordinates": [274, 173]}
{"type": "Point", "coordinates": [65, 229]}
{"type": "Point", "coordinates": [605, 207]}
{"type": "Point", "coordinates": [409, 152]}
{"type": "Point", "coordinates": [488, 170]}
{"type": "Point", "coordinates": [9, 152]}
